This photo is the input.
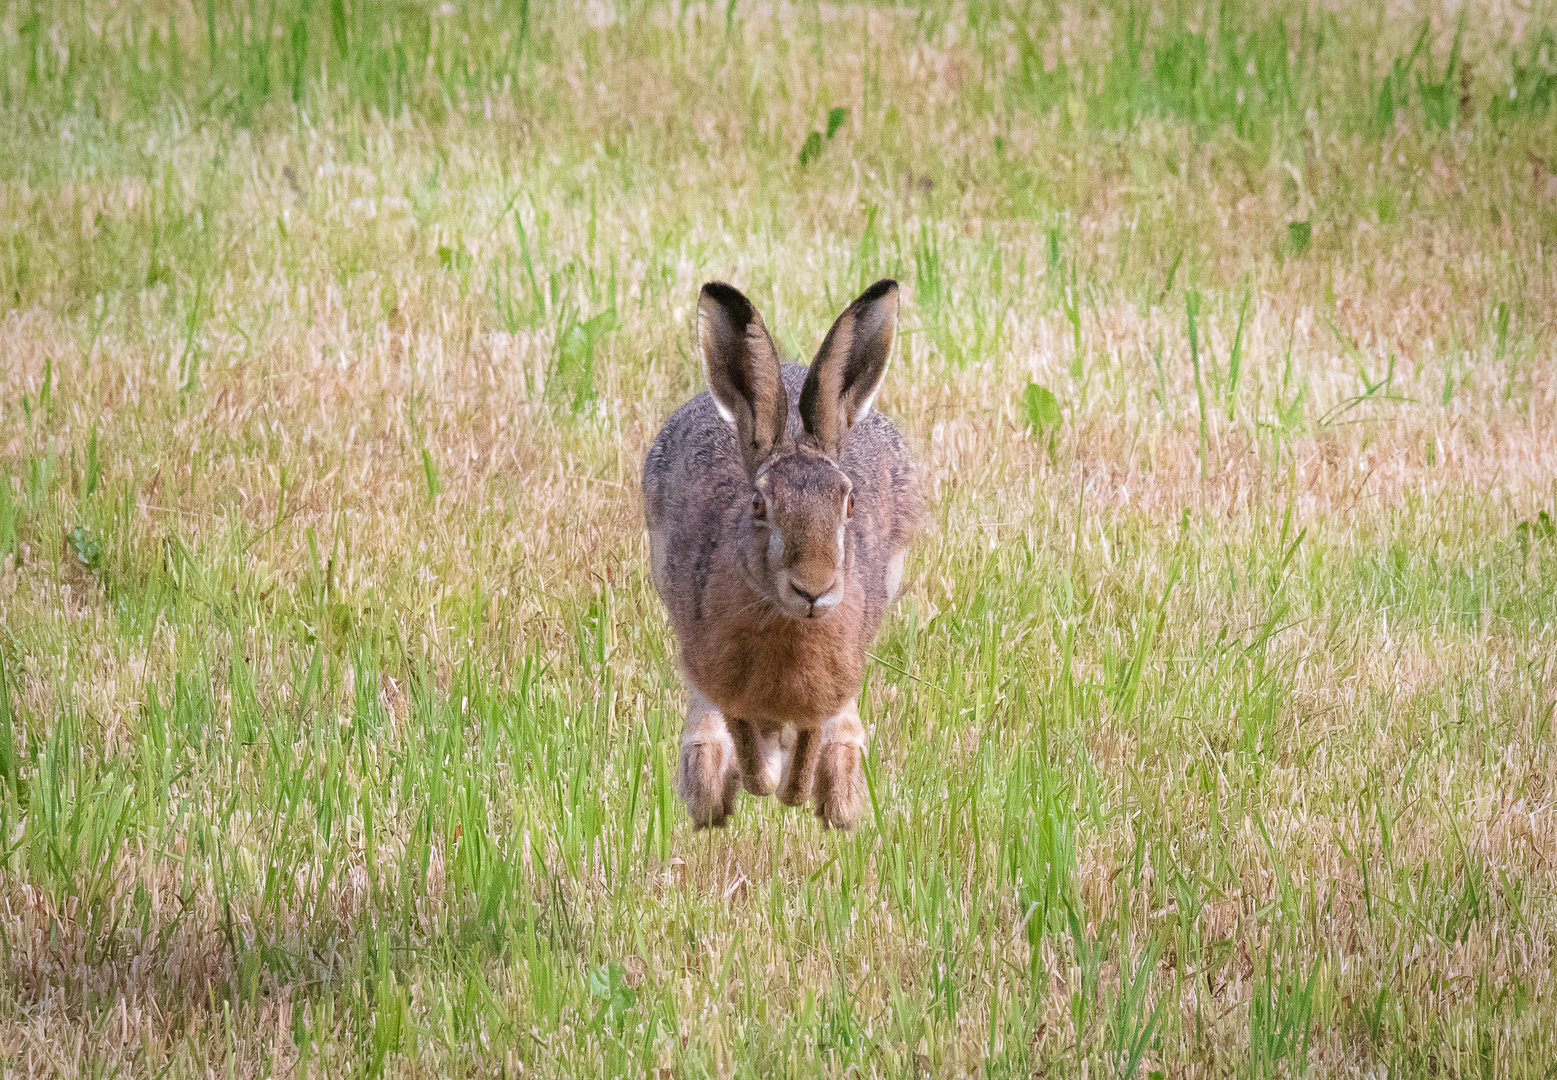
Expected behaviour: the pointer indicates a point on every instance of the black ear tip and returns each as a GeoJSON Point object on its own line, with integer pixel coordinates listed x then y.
{"type": "Point", "coordinates": [879, 291]}
{"type": "Point", "coordinates": [730, 298]}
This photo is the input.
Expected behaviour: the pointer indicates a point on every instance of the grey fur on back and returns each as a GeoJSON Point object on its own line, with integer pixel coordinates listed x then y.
{"type": "Point", "coordinates": [695, 486]}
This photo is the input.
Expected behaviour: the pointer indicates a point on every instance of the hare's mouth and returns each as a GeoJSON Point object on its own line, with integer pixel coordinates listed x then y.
{"type": "Point", "coordinates": [803, 604]}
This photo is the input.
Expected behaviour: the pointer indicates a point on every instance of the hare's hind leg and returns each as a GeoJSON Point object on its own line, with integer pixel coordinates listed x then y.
{"type": "Point", "coordinates": [709, 778]}
{"type": "Point", "coordinates": [840, 772]}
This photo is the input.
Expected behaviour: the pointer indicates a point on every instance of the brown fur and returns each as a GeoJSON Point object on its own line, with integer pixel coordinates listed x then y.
{"type": "Point", "coordinates": [801, 776]}
{"type": "Point", "coordinates": [774, 632]}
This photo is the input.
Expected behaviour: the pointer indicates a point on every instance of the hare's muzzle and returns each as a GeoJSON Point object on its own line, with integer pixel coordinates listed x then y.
{"type": "Point", "coordinates": [818, 603]}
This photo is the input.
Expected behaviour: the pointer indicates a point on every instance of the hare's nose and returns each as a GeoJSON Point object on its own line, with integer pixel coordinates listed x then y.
{"type": "Point", "coordinates": [809, 598]}
{"type": "Point", "coordinates": [821, 600]}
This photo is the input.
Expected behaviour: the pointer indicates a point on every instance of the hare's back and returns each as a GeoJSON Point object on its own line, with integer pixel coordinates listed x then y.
{"type": "Point", "coordinates": [691, 475]}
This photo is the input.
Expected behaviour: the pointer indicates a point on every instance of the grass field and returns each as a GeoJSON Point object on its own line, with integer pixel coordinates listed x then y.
{"type": "Point", "coordinates": [1213, 735]}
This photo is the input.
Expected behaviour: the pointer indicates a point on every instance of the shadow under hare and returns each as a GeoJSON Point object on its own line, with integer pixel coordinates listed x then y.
{"type": "Point", "coordinates": [779, 507]}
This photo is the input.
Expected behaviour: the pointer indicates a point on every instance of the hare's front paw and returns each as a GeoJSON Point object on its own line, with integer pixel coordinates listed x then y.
{"type": "Point", "coordinates": [800, 775]}
{"type": "Point", "coordinates": [759, 756]}
{"type": "Point", "coordinates": [840, 785]}
{"type": "Point", "coordinates": [708, 782]}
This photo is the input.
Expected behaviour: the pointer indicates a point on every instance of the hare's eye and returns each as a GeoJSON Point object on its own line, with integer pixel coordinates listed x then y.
{"type": "Point", "coordinates": [759, 507]}
{"type": "Point", "coordinates": [848, 509]}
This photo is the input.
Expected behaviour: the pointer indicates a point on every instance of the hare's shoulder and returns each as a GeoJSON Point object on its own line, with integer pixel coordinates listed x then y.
{"type": "Point", "coordinates": [878, 460]}
{"type": "Point", "coordinates": [692, 452]}
{"type": "Point", "coordinates": [878, 453]}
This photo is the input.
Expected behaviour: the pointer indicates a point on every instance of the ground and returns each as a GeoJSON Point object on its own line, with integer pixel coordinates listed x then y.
{"type": "Point", "coordinates": [1212, 736]}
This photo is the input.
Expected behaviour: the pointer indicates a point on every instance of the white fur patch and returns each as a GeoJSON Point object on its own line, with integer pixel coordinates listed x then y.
{"type": "Point", "coordinates": [724, 410]}
{"type": "Point", "coordinates": [841, 529]}
{"type": "Point", "coordinates": [895, 574]}
{"type": "Point", "coordinates": [844, 727]}
{"type": "Point", "coordinates": [775, 547]}
{"type": "Point", "coordinates": [658, 556]}
{"type": "Point", "coordinates": [705, 724]}
{"type": "Point", "coordinates": [773, 760]}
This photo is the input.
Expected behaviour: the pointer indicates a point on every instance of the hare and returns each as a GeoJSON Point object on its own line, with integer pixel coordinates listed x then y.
{"type": "Point", "coordinates": [780, 507]}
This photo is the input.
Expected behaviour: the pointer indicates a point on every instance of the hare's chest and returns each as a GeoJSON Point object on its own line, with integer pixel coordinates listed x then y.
{"type": "Point", "coordinates": [790, 674]}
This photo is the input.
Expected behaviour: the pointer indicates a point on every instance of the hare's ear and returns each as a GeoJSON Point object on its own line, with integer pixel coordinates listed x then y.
{"type": "Point", "coordinates": [847, 371]}
{"type": "Point", "coordinates": [743, 371]}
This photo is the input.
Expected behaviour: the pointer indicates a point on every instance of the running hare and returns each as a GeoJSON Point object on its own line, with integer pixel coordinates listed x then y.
{"type": "Point", "coordinates": [779, 508]}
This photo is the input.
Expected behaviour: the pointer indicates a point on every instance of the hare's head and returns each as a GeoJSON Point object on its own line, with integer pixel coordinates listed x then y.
{"type": "Point", "coordinates": [796, 547]}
